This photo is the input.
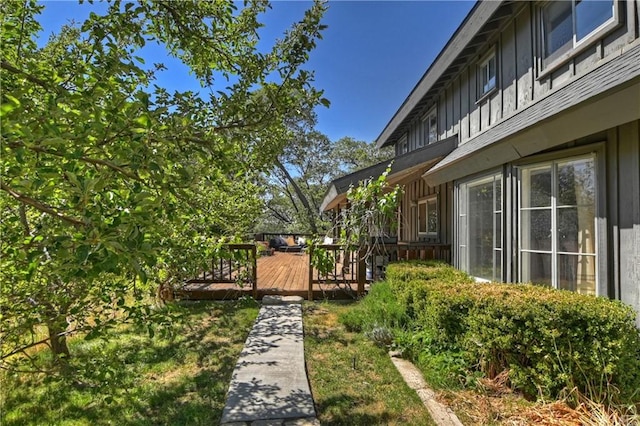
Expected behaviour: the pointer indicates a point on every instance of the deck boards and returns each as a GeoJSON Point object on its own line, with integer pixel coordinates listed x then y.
{"type": "Point", "coordinates": [283, 271]}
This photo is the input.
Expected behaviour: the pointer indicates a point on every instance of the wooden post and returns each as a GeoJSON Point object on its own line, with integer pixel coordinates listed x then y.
{"type": "Point", "coordinates": [362, 272]}
{"type": "Point", "coordinates": [310, 283]}
{"type": "Point", "coordinates": [254, 270]}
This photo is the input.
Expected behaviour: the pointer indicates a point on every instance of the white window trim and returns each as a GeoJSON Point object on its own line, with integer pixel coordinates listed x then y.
{"type": "Point", "coordinates": [478, 180]}
{"type": "Point", "coordinates": [482, 94]}
{"type": "Point", "coordinates": [577, 46]}
{"type": "Point", "coordinates": [426, 201]}
{"type": "Point", "coordinates": [554, 249]}
{"type": "Point", "coordinates": [424, 141]}
{"type": "Point", "coordinates": [403, 145]}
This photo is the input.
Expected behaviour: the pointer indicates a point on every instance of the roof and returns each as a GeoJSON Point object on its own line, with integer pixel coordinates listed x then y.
{"type": "Point", "coordinates": [484, 18]}
{"type": "Point", "coordinates": [404, 166]}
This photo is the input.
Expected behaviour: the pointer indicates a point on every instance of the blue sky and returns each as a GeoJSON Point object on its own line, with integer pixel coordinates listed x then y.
{"type": "Point", "coordinates": [372, 54]}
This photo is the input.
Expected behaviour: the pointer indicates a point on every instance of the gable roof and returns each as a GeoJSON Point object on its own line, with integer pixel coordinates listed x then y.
{"type": "Point", "coordinates": [403, 166]}
{"type": "Point", "coordinates": [484, 18]}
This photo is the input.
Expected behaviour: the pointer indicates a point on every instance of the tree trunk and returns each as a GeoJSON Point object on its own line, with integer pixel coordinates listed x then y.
{"type": "Point", "coordinates": [311, 215]}
{"type": "Point", "coordinates": [58, 340]}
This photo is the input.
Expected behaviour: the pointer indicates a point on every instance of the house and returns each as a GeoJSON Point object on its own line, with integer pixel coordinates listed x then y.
{"type": "Point", "coordinates": [520, 147]}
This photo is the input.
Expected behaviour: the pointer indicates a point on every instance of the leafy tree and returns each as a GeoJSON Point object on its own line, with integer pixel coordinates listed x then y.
{"type": "Point", "coordinates": [109, 181]}
{"type": "Point", "coordinates": [304, 170]}
{"type": "Point", "coordinates": [351, 154]}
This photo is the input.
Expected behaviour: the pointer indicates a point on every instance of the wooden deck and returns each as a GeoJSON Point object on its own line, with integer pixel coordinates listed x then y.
{"type": "Point", "coordinates": [284, 274]}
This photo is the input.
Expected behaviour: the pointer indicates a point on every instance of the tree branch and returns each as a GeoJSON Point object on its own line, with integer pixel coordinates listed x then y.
{"type": "Point", "coordinates": [40, 206]}
{"type": "Point", "coordinates": [8, 67]}
{"type": "Point", "coordinates": [89, 160]}
{"type": "Point", "coordinates": [280, 216]}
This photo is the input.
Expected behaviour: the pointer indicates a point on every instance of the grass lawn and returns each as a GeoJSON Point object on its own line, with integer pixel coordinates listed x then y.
{"type": "Point", "coordinates": [353, 381]}
{"type": "Point", "coordinates": [133, 379]}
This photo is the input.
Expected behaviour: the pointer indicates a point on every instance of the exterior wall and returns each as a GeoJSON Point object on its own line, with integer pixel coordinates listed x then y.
{"type": "Point", "coordinates": [623, 213]}
{"type": "Point", "coordinates": [522, 81]}
{"type": "Point", "coordinates": [415, 191]}
{"type": "Point", "coordinates": [617, 226]}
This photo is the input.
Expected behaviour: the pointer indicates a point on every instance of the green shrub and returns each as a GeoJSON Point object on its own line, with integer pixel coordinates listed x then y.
{"type": "Point", "coordinates": [548, 340]}
{"type": "Point", "coordinates": [443, 369]}
{"type": "Point", "coordinates": [379, 309]}
{"type": "Point", "coordinates": [551, 340]}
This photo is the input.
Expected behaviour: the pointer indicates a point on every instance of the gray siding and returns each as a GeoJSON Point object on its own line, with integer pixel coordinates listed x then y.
{"type": "Point", "coordinates": [623, 203]}
{"type": "Point", "coordinates": [416, 190]}
{"type": "Point", "coordinates": [521, 80]}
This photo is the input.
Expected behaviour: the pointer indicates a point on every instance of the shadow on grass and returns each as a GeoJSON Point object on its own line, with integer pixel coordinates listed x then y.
{"type": "Point", "coordinates": [340, 410]}
{"type": "Point", "coordinates": [133, 379]}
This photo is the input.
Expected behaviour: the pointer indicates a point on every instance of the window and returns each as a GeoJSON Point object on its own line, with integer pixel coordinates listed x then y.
{"type": "Point", "coordinates": [403, 145]}
{"type": "Point", "coordinates": [428, 216]}
{"type": "Point", "coordinates": [557, 224]}
{"type": "Point", "coordinates": [480, 227]}
{"type": "Point", "coordinates": [430, 127]}
{"type": "Point", "coordinates": [566, 24]}
{"type": "Point", "coordinates": [487, 74]}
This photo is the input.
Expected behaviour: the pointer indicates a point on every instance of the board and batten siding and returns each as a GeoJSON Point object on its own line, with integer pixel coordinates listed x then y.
{"type": "Point", "coordinates": [521, 79]}
{"type": "Point", "coordinates": [418, 190]}
{"type": "Point", "coordinates": [623, 213]}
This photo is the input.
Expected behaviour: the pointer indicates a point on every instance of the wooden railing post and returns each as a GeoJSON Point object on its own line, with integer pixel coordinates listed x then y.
{"type": "Point", "coordinates": [362, 272]}
{"type": "Point", "coordinates": [310, 283]}
{"type": "Point", "coordinates": [254, 271]}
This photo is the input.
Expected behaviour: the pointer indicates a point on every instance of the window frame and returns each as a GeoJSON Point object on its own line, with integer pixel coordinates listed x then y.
{"type": "Point", "coordinates": [462, 214]}
{"type": "Point", "coordinates": [426, 127]}
{"type": "Point", "coordinates": [554, 208]}
{"type": "Point", "coordinates": [480, 74]}
{"type": "Point", "coordinates": [426, 201]}
{"type": "Point", "coordinates": [403, 145]}
{"type": "Point", "coordinates": [555, 60]}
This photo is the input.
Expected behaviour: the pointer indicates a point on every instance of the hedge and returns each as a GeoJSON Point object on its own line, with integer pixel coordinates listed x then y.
{"type": "Point", "coordinates": [549, 340]}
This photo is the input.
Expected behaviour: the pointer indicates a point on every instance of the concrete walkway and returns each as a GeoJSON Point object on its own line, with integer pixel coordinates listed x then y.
{"type": "Point", "coordinates": [269, 385]}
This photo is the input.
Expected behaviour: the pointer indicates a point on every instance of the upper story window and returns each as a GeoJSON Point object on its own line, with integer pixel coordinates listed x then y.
{"type": "Point", "coordinates": [403, 145]}
{"type": "Point", "coordinates": [488, 73]}
{"type": "Point", "coordinates": [567, 24]}
{"type": "Point", "coordinates": [430, 127]}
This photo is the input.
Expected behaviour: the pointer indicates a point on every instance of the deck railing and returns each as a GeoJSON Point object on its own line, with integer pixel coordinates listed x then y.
{"type": "Point", "coordinates": [235, 264]}
{"type": "Point", "coordinates": [424, 251]}
{"type": "Point", "coordinates": [341, 267]}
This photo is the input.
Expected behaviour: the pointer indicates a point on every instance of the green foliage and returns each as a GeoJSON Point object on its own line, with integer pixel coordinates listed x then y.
{"type": "Point", "coordinates": [548, 340]}
{"type": "Point", "coordinates": [295, 188]}
{"type": "Point", "coordinates": [349, 154]}
{"type": "Point", "coordinates": [372, 207]}
{"type": "Point", "coordinates": [553, 340]}
{"type": "Point", "coordinates": [110, 183]}
{"type": "Point", "coordinates": [442, 369]}
{"type": "Point", "coordinates": [380, 308]}
{"type": "Point", "coordinates": [175, 378]}
{"type": "Point", "coordinates": [322, 260]}
{"type": "Point", "coordinates": [352, 380]}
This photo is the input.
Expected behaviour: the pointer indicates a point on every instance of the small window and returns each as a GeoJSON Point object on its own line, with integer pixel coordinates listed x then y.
{"type": "Point", "coordinates": [403, 145]}
{"type": "Point", "coordinates": [566, 24]}
{"type": "Point", "coordinates": [487, 74]}
{"type": "Point", "coordinates": [428, 216]}
{"type": "Point", "coordinates": [430, 127]}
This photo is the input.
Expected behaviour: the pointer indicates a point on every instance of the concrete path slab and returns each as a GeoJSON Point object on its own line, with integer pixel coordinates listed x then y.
{"type": "Point", "coordinates": [270, 380]}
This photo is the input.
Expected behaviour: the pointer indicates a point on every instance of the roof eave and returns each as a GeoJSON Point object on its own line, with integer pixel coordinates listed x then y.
{"type": "Point", "coordinates": [402, 166]}
{"type": "Point", "coordinates": [468, 29]}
